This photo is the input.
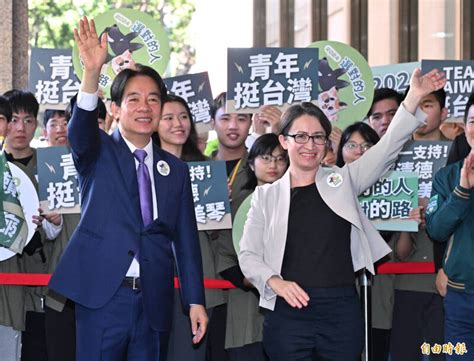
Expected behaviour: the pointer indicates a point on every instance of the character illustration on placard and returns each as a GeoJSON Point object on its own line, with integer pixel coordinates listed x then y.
{"type": "Point", "coordinates": [122, 49]}
{"type": "Point", "coordinates": [329, 103]}
{"type": "Point", "coordinates": [123, 61]}
{"type": "Point", "coordinates": [329, 82]}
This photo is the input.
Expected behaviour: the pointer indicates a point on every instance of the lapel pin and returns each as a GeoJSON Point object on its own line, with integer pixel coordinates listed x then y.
{"type": "Point", "coordinates": [163, 168]}
{"type": "Point", "coordinates": [334, 180]}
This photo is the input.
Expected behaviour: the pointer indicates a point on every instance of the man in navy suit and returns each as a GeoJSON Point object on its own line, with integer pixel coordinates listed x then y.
{"type": "Point", "coordinates": [119, 265]}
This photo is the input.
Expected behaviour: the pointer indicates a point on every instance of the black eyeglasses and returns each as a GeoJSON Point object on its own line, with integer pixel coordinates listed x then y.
{"type": "Point", "coordinates": [352, 146]}
{"type": "Point", "coordinates": [319, 139]}
{"type": "Point", "coordinates": [268, 158]}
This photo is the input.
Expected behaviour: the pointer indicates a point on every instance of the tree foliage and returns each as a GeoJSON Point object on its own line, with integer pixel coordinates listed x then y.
{"type": "Point", "coordinates": [52, 22]}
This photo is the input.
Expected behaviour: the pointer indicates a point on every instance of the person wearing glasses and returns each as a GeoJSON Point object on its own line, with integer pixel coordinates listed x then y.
{"type": "Point", "coordinates": [306, 235]}
{"type": "Point", "coordinates": [35, 257]}
{"type": "Point", "coordinates": [356, 139]}
{"type": "Point", "coordinates": [266, 163]}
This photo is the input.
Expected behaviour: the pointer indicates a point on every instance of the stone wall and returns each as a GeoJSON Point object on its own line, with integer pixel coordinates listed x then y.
{"type": "Point", "coordinates": [13, 44]}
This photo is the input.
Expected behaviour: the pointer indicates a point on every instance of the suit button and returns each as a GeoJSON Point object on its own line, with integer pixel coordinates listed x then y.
{"type": "Point", "coordinates": [131, 253]}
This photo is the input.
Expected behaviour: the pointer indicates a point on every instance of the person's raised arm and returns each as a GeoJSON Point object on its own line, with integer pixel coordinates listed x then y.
{"type": "Point", "coordinates": [366, 170]}
{"type": "Point", "coordinates": [84, 135]}
{"type": "Point", "coordinates": [270, 115]}
{"type": "Point", "coordinates": [421, 86]}
{"type": "Point", "coordinates": [92, 52]}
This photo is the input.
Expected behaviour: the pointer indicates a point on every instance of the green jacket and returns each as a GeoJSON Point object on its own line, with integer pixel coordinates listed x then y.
{"type": "Point", "coordinates": [16, 300]}
{"type": "Point", "coordinates": [58, 245]}
{"type": "Point", "coordinates": [244, 323]}
{"type": "Point", "coordinates": [451, 211]}
{"type": "Point", "coordinates": [208, 243]}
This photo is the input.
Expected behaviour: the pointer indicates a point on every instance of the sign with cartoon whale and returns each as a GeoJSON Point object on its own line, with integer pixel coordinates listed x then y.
{"type": "Point", "coordinates": [134, 37]}
{"type": "Point", "coordinates": [346, 87]}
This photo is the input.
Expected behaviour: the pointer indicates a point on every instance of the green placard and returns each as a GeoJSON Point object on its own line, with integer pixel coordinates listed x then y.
{"type": "Point", "coordinates": [239, 222]}
{"type": "Point", "coordinates": [134, 37]}
{"type": "Point", "coordinates": [388, 202]}
{"type": "Point", "coordinates": [346, 87]}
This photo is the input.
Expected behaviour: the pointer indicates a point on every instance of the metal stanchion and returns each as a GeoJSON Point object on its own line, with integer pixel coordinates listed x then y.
{"type": "Point", "coordinates": [365, 283]}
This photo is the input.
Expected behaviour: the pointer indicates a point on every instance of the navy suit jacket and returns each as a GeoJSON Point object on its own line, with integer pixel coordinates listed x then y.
{"type": "Point", "coordinates": [111, 229]}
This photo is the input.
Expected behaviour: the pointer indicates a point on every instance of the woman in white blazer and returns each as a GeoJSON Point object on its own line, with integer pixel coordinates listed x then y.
{"type": "Point", "coordinates": [305, 234]}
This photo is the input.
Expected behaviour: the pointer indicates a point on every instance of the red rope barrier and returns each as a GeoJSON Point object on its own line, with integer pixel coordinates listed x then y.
{"type": "Point", "coordinates": [406, 268]}
{"type": "Point", "coordinates": [24, 279]}
{"type": "Point", "coordinates": [37, 279]}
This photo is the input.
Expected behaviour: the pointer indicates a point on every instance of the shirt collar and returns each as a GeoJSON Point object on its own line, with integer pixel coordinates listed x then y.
{"type": "Point", "coordinates": [148, 148]}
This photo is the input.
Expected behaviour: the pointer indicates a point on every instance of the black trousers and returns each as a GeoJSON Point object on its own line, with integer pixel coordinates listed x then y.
{"type": "Point", "coordinates": [380, 344]}
{"type": "Point", "coordinates": [331, 327]}
{"type": "Point", "coordinates": [216, 336]}
{"type": "Point", "coordinates": [33, 339]}
{"type": "Point", "coordinates": [418, 317]}
{"type": "Point", "coordinates": [180, 346]}
{"type": "Point", "coordinates": [61, 333]}
{"type": "Point", "coordinates": [250, 352]}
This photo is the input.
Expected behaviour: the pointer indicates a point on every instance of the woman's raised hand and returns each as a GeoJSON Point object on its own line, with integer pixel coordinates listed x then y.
{"type": "Point", "coordinates": [421, 86]}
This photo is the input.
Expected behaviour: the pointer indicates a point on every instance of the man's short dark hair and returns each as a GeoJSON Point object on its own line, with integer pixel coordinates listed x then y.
{"type": "Point", "coordinates": [385, 93]}
{"type": "Point", "coordinates": [51, 113]}
{"type": "Point", "coordinates": [102, 110]}
{"type": "Point", "coordinates": [439, 94]}
{"type": "Point", "coordinates": [219, 102]}
{"type": "Point", "coordinates": [122, 78]}
{"type": "Point", "coordinates": [21, 100]}
{"type": "Point", "coordinates": [470, 103]}
{"type": "Point", "coordinates": [5, 108]}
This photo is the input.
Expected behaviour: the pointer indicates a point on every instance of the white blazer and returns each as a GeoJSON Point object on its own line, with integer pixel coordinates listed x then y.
{"type": "Point", "coordinates": [262, 246]}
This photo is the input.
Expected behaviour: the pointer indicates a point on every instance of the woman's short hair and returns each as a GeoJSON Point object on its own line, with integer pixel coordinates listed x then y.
{"type": "Point", "coordinates": [366, 132]}
{"type": "Point", "coordinates": [265, 144]}
{"type": "Point", "coordinates": [191, 152]}
{"type": "Point", "coordinates": [298, 110]}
